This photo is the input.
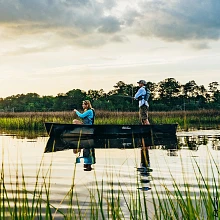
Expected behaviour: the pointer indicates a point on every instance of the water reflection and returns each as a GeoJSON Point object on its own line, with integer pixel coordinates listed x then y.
{"type": "Point", "coordinates": [60, 144]}
{"type": "Point", "coordinates": [216, 143]}
{"type": "Point", "coordinates": [84, 151]}
{"type": "Point", "coordinates": [193, 142]}
{"type": "Point", "coordinates": [172, 152]}
{"type": "Point", "coordinates": [144, 169]}
{"type": "Point", "coordinates": [144, 164]}
{"type": "Point", "coordinates": [87, 147]}
{"type": "Point", "coordinates": [88, 156]}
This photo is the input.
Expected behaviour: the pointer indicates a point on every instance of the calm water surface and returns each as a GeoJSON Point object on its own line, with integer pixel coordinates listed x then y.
{"type": "Point", "coordinates": [114, 168]}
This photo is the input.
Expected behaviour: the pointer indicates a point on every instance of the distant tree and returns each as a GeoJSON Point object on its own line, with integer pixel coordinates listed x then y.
{"type": "Point", "coordinates": [1, 104]}
{"type": "Point", "coordinates": [102, 105]}
{"type": "Point", "coordinates": [75, 98]}
{"type": "Point", "coordinates": [32, 101]}
{"type": "Point", "coordinates": [120, 88]}
{"type": "Point", "coordinates": [95, 94]}
{"type": "Point", "coordinates": [121, 97]}
{"type": "Point", "coordinates": [213, 89]}
{"type": "Point", "coordinates": [217, 100]}
{"type": "Point", "coordinates": [168, 94]}
{"type": "Point", "coordinates": [168, 90]}
{"type": "Point", "coordinates": [201, 97]}
{"type": "Point", "coordinates": [60, 102]}
{"type": "Point", "coordinates": [190, 89]}
{"type": "Point", "coordinates": [47, 103]}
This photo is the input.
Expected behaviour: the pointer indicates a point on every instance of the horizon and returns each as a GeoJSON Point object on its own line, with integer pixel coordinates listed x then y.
{"type": "Point", "coordinates": [94, 89]}
{"type": "Point", "coordinates": [53, 47]}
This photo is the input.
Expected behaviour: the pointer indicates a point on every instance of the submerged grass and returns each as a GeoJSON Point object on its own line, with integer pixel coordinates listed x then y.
{"type": "Point", "coordinates": [119, 200]}
{"type": "Point", "coordinates": [34, 121]}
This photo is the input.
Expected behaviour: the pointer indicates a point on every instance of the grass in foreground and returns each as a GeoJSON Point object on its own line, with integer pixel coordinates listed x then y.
{"type": "Point", "coordinates": [111, 198]}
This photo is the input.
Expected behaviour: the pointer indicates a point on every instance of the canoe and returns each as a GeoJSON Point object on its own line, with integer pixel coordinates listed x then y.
{"type": "Point", "coordinates": [88, 131]}
{"type": "Point", "coordinates": [60, 144]}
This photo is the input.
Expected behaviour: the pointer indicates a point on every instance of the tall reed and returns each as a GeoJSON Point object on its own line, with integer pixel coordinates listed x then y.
{"type": "Point", "coordinates": [112, 199]}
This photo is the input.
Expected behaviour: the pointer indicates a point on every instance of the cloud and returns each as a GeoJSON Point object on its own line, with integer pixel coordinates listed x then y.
{"type": "Point", "coordinates": [119, 38]}
{"type": "Point", "coordinates": [109, 25]}
{"type": "Point", "coordinates": [179, 20]}
{"type": "Point", "coordinates": [84, 16]}
{"type": "Point", "coordinates": [97, 22]}
{"type": "Point", "coordinates": [200, 45]}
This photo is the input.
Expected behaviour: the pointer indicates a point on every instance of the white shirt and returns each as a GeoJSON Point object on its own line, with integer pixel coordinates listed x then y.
{"type": "Point", "coordinates": [141, 92]}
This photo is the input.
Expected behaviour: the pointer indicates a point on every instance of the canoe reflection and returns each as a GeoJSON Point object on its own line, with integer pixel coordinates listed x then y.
{"type": "Point", "coordinates": [84, 149]}
{"type": "Point", "coordinates": [60, 144]}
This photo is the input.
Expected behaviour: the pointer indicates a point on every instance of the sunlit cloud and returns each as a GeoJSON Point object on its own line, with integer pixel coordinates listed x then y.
{"type": "Point", "coordinates": [74, 19]}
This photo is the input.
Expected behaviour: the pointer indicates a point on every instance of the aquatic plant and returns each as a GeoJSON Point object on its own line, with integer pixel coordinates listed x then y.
{"type": "Point", "coordinates": [34, 121]}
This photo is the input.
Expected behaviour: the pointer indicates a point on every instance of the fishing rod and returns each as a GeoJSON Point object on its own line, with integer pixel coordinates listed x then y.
{"type": "Point", "coordinates": [124, 96]}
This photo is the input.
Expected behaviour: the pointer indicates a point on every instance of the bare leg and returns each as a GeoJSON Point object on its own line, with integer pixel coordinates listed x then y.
{"type": "Point", "coordinates": [78, 122]}
{"type": "Point", "coordinates": [145, 122]}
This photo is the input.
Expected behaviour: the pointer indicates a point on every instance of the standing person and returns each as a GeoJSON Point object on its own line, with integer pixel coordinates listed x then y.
{"type": "Point", "coordinates": [87, 116]}
{"type": "Point", "coordinates": [143, 103]}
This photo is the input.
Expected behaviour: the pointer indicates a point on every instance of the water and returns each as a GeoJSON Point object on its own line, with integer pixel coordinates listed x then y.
{"type": "Point", "coordinates": [117, 166]}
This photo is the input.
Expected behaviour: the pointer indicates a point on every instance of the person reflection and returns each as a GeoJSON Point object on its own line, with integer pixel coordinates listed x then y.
{"type": "Point", "coordinates": [144, 166]}
{"type": "Point", "coordinates": [88, 157]}
{"type": "Point", "coordinates": [145, 159]}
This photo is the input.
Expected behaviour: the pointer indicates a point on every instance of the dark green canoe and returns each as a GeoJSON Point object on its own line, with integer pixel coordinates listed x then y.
{"type": "Point", "coordinates": [76, 130]}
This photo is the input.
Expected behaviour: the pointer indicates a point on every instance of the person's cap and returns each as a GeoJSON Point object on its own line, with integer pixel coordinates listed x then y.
{"type": "Point", "coordinates": [142, 81]}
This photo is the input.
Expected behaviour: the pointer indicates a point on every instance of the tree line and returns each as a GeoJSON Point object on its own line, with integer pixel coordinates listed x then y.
{"type": "Point", "coordinates": [166, 95]}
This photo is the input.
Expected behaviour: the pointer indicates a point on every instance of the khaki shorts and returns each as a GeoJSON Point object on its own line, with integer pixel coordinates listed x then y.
{"type": "Point", "coordinates": [143, 112]}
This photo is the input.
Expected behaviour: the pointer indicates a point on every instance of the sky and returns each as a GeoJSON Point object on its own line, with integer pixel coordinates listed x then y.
{"type": "Point", "coordinates": [54, 46]}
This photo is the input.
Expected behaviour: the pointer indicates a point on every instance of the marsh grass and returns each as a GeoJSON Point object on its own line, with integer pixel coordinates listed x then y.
{"type": "Point", "coordinates": [112, 199]}
{"type": "Point", "coordinates": [19, 202]}
{"type": "Point", "coordinates": [34, 121]}
{"type": "Point", "coordinates": [188, 201]}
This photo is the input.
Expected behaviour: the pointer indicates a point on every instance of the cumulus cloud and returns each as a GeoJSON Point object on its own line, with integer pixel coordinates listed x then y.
{"type": "Point", "coordinates": [83, 16]}
{"type": "Point", "coordinates": [78, 21]}
{"type": "Point", "coordinates": [180, 20]}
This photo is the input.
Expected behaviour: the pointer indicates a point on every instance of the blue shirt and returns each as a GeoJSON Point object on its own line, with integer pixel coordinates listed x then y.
{"type": "Point", "coordinates": [141, 92]}
{"type": "Point", "coordinates": [86, 116]}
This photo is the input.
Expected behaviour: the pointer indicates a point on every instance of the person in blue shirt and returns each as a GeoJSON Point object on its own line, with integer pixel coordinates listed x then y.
{"type": "Point", "coordinates": [143, 104]}
{"type": "Point", "coordinates": [87, 116]}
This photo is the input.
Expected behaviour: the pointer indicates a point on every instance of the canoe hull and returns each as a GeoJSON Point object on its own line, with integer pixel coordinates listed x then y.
{"type": "Point", "coordinates": [88, 131]}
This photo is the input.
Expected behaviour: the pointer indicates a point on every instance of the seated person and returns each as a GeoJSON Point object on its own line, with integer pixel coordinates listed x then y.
{"type": "Point", "coordinates": [87, 116]}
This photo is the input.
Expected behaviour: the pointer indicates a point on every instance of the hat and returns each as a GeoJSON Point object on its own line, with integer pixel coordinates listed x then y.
{"type": "Point", "coordinates": [142, 81]}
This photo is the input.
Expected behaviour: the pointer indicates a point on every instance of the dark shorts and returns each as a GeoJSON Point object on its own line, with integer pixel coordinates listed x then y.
{"type": "Point", "coordinates": [143, 112]}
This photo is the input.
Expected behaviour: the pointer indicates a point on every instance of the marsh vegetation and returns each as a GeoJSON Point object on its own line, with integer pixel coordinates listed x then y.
{"type": "Point", "coordinates": [34, 121]}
